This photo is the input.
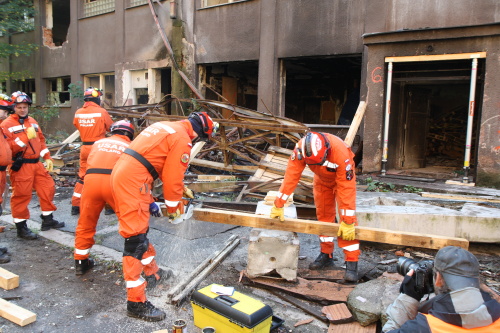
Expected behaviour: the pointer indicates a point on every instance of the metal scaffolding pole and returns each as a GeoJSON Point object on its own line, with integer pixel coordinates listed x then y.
{"type": "Point", "coordinates": [470, 120]}
{"type": "Point", "coordinates": [387, 116]}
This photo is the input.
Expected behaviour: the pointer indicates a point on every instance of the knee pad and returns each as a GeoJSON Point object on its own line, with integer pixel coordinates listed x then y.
{"type": "Point", "coordinates": [136, 246]}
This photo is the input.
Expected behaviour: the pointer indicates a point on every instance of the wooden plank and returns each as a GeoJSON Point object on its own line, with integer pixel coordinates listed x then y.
{"type": "Point", "coordinates": [353, 129]}
{"type": "Point", "coordinates": [338, 313]}
{"type": "Point", "coordinates": [8, 280]}
{"type": "Point", "coordinates": [459, 197]}
{"type": "Point", "coordinates": [454, 182]}
{"type": "Point", "coordinates": [324, 228]}
{"type": "Point", "coordinates": [220, 166]}
{"type": "Point", "coordinates": [437, 57]}
{"type": "Point", "coordinates": [325, 275]}
{"type": "Point", "coordinates": [312, 290]}
{"type": "Point", "coordinates": [196, 149]}
{"type": "Point", "coordinates": [354, 327]}
{"type": "Point", "coordinates": [211, 178]}
{"type": "Point", "coordinates": [15, 313]}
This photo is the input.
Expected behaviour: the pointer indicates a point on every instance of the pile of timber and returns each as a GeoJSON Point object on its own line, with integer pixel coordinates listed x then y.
{"type": "Point", "coordinates": [9, 310]}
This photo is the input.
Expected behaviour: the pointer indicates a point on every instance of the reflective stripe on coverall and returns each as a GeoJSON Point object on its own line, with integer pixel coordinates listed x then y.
{"type": "Point", "coordinates": [5, 160]}
{"type": "Point", "coordinates": [334, 186]}
{"type": "Point", "coordinates": [437, 325]}
{"type": "Point", "coordinates": [92, 122]}
{"type": "Point", "coordinates": [167, 146]}
{"type": "Point", "coordinates": [97, 191]}
{"type": "Point", "coordinates": [31, 175]}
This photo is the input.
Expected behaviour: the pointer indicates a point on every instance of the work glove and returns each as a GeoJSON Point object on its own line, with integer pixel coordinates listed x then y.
{"type": "Point", "coordinates": [175, 212]}
{"type": "Point", "coordinates": [408, 286]}
{"type": "Point", "coordinates": [187, 193]}
{"type": "Point", "coordinates": [155, 210]}
{"type": "Point", "coordinates": [347, 231]}
{"type": "Point", "coordinates": [49, 165]}
{"type": "Point", "coordinates": [31, 133]}
{"type": "Point", "coordinates": [278, 213]}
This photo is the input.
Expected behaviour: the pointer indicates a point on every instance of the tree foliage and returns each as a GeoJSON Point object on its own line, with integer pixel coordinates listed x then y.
{"type": "Point", "coordinates": [16, 16]}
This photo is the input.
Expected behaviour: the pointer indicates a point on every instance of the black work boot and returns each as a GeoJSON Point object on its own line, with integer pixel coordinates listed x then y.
{"type": "Point", "coordinates": [155, 279]}
{"type": "Point", "coordinates": [24, 232]}
{"type": "Point", "coordinates": [351, 271]}
{"type": "Point", "coordinates": [48, 222]}
{"type": "Point", "coordinates": [3, 250]}
{"type": "Point", "coordinates": [82, 266]}
{"type": "Point", "coordinates": [108, 211]}
{"type": "Point", "coordinates": [145, 311]}
{"type": "Point", "coordinates": [323, 261]}
{"type": "Point", "coordinates": [75, 210]}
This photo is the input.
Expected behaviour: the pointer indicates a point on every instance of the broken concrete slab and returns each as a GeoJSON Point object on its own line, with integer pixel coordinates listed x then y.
{"type": "Point", "coordinates": [401, 212]}
{"type": "Point", "coordinates": [369, 300]}
{"type": "Point", "coordinates": [273, 251]}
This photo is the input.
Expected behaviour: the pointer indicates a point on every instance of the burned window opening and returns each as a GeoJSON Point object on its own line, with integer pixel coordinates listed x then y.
{"type": "Point", "coordinates": [237, 82]}
{"type": "Point", "coordinates": [58, 91]}
{"type": "Point", "coordinates": [57, 23]}
{"type": "Point", "coordinates": [320, 90]}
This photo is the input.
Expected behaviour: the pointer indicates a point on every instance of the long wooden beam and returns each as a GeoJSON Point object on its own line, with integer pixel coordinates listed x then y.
{"type": "Point", "coordinates": [324, 228]}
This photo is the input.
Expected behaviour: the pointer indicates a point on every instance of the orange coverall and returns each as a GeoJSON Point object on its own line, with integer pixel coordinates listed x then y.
{"type": "Point", "coordinates": [32, 174]}
{"type": "Point", "coordinates": [5, 160]}
{"type": "Point", "coordinates": [334, 185]}
{"type": "Point", "coordinates": [97, 190]}
{"type": "Point", "coordinates": [167, 146]}
{"type": "Point", "coordinates": [92, 122]}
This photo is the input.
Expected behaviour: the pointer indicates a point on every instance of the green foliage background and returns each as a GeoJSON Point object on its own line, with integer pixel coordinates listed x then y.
{"type": "Point", "coordinates": [15, 18]}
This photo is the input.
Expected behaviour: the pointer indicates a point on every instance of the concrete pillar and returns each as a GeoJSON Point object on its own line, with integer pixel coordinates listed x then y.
{"type": "Point", "coordinates": [273, 251]}
{"type": "Point", "coordinates": [269, 65]}
{"type": "Point", "coordinates": [74, 49]}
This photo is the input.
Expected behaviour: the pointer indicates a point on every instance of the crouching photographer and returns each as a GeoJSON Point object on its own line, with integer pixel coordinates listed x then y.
{"type": "Point", "coordinates": [459, 304]}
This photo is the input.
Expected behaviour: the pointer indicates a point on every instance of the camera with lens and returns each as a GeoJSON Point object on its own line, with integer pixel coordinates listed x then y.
{"type": "Point", "coordinates": [422, 273]}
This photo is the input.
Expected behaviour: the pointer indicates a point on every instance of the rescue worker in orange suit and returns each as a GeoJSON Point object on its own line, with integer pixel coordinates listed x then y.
{"type": "Point", "coordinates": [5, 151]}
{"type": "Point", "coordinates": [92, 122]}
{"type": "Point", "coordinates": [97, 190]}
{"type": "Point", "coordinates": [27, 172]}
{"type": "Point", "coordinates": [162, 151]}
{"type": "Point", "coordinates": [334, 187]}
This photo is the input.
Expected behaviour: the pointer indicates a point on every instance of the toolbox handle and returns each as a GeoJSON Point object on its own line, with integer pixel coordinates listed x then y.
{"type": "Point", "coordinates": [226, 300]}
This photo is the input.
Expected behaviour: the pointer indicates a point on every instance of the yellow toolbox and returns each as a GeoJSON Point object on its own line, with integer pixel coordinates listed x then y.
{"type": "Point", "coordinates": [230, 314]}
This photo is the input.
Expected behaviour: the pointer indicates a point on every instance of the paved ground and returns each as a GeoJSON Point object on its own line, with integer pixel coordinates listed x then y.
{"type": "Point", "coordinates": [96, 302]}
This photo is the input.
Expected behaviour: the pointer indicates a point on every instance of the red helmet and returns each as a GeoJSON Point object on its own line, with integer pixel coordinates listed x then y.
{"type": "Point", "coordinates": [315, 147]}
{"type": "Point", "coordinates": [4, 105]}
{"type": "Point", "coordinates": [92, 92]}
{"type": "Point", "coordinates": [203, 125]}
{"type": "Point", "coordinates": [20, 97]}
{"type": "Point", "coordinates": [125, 126]}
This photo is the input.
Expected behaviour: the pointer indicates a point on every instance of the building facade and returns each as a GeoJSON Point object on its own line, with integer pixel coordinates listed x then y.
{"type": "Point", "coordinates": [427, 69]}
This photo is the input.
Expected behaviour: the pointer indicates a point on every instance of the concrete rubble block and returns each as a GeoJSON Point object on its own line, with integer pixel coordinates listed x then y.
{"type": "Point", "coordinates": [368, 301]}
{"type": "Point", "coordinates": [273, 251]}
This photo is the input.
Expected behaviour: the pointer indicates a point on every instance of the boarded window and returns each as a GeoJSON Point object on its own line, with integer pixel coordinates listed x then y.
{"type": "Point", "coordinates": [133, 3]}
{"type": "Point", "coordinates": [98, 7]}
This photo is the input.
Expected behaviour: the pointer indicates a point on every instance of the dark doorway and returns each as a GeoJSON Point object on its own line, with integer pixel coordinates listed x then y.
{"type": "Point", "coordinates": [429, 116]}
{"type": "Point", "coordinates": [320, 89]}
